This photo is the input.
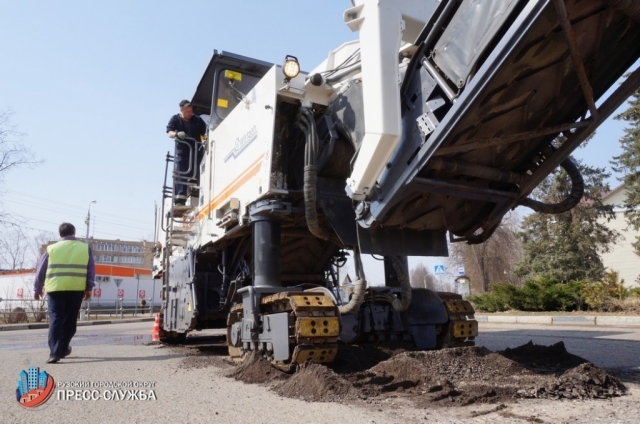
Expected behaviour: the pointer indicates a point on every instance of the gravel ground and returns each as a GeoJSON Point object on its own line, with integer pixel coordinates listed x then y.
{"type": "Point", "coordinates": [205, 394]}
{"type": "Point", "coordinates": [184, 395]}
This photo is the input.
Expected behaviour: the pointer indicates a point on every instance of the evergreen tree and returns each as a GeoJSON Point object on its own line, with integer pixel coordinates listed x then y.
{"type": "Point", "coordinates": [628, 164]}
{"type": "Point", "coordinates": [567, 246]}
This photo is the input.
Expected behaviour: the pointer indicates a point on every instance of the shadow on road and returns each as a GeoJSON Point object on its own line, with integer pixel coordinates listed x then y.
{"type": "Point", "coordinates": [87, 359]}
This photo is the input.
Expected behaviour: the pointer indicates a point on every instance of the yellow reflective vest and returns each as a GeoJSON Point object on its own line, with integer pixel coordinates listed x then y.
{"type": "Point", "coordinates": [67, 266]}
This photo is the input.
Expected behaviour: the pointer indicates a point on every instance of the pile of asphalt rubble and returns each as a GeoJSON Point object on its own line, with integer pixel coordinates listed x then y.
{"type": "Point", "coordinates": [459, 376]}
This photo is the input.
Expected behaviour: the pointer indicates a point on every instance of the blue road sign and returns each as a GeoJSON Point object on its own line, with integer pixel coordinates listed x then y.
{"type": "Point", "coordinates": [438, 269]}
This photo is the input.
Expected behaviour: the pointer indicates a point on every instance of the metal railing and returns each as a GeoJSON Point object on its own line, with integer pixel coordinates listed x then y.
{"type": "Point", "coordinates": [119, 309]}
{"type": "Point", "coordinates": [14, 311]}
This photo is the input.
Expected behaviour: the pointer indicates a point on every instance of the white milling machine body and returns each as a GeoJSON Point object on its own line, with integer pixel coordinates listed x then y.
{"type": "Point", "coordinates": [440, 119]}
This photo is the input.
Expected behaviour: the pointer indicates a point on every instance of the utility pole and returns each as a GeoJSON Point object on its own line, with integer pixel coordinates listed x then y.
{"type": "Point", "coordinates": [137, 294]}
{"type": "Point", "coordinates": [88, 220]}
{"type": "Point", "coordinates": [155, 221]}
{"type": "Point", "coordinates": [153, 298]}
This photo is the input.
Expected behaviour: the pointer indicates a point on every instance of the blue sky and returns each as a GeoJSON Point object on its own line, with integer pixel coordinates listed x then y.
{"type": "Point", "coordinates": [93, 84]}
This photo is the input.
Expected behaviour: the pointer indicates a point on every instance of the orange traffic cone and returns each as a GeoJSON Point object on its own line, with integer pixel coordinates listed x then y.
{"type": "Point", "coordinates": [155, 333]}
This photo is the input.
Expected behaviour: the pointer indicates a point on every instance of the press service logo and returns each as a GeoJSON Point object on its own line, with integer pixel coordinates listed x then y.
{"type": "Point", "coordinates": [35, 387]}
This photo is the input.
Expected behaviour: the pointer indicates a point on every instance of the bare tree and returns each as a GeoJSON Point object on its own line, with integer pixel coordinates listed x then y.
{"type": "Point", "coordinates": [491, 261]}
{"type": "Point", "coordinates": [13, 153]}
{"type": "Point", "coordinates": [39, 242]}
{"type": "Point", "coordinates": [20, 251]}
{"type": "Point", "coordinates": [421, 278]}
{"type": "Point", "coordinates": [14, 249]}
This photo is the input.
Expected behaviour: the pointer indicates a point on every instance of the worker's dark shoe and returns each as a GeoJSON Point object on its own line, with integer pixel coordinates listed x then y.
{"type": "Point", "coordinates": [67, 353]}
{"type": "Point", "coordinates": [53, 360]}
{"type": "Point", "coordinates": [193, 192]}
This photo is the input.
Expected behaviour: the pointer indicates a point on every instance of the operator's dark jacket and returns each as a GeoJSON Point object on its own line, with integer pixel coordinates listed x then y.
{"type": "Point", "coordinates": [194, 128]}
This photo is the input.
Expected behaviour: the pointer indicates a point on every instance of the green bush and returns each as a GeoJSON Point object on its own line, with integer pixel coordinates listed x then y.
{"type": "Point", "coordinates": [544, 294]}
{"type": "Point", "coordinates": [501, 297]}
{"type": "Point", "coordinates": [633, 292]}
{"type": "Point", "coordinates": [537, 294]}
{"type": "Point", "coordinates": [598, 294]}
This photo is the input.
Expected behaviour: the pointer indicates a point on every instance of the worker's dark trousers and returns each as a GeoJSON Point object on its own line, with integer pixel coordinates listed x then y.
{"type": "Point", "coordinates": [182, 173]}
{"type": "Point", "coordinates": [181, 167]}
{"type": "Point", "coordinates": [63, 313]}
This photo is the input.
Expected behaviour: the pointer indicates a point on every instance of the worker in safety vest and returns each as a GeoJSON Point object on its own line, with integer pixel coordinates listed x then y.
{"type": "Point", "coordinates": [67, 273]}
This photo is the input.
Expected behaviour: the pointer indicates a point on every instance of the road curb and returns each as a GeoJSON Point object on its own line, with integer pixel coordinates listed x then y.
{"type": "Point", "coordinates": [503, 319]}
{"type": "Point", "coordinates": [534, 319]}
{"type": "Point", "coordinates": [618, 321]}
{"type": "Point", "coordinates": [577, 320]}
{"type": "Point", "coordinates": [36, 326]}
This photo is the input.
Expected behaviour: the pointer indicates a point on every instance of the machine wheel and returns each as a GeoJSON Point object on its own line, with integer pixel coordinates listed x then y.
{"type": "Point", "coordinates": [233, 343]}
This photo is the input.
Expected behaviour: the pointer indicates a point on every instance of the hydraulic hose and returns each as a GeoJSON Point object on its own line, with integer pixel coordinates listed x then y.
{"type": "Point", "coordinates": [577, 190]}
{"type": "Point", "coordinates": [310, 188]}
{"type": "Point", "coordinates": [482, 237]}
{"type": "Point", "coordinates": [359, 289]}
{"type": "Point", "coordinates": [402, 305]}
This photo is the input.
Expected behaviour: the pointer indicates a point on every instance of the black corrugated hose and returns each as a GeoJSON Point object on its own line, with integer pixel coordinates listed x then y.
{"type": "Point", "coordinates": [577, 190]}
{"type": "Point", "coordinates": [310, 189]}
{"type": "Point", "coordinates": [574, 197]}
{"type": "Point", "coordinates": [359, 287]}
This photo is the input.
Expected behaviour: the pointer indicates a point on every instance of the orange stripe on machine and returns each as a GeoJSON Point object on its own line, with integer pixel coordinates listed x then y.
{"type": "Point", "coordinates": [244, 177]}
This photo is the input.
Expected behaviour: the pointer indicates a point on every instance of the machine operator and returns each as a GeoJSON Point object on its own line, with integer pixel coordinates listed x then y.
{"type": "Point", "coordinates": [191, 129]}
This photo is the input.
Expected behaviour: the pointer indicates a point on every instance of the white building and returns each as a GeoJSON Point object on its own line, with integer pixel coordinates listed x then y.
{"type": "Point", "coordinates": [622, 257]}
{"type": "Point", "coordinates": [112, 283]}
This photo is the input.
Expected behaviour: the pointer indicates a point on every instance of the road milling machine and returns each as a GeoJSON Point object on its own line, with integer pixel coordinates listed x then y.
{"type": "Point", "coordinates": [441, 117]}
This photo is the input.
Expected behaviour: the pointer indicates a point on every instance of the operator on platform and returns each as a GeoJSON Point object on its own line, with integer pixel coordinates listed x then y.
{"type": "Point", "coordinates": [186, 127]}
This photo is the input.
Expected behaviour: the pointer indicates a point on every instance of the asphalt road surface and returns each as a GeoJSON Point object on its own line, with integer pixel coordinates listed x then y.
{"type": "Point", "coordinates": [607, 347]}
{"type": "Point", "coordinates": [119, 353]}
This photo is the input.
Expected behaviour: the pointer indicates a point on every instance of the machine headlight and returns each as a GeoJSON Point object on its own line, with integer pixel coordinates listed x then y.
{"type": "Point", "coordinates": [291, 67]}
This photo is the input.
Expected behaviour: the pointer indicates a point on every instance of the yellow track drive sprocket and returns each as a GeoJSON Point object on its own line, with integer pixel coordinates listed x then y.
{"type": "Point", "coordinates": [314, 335]}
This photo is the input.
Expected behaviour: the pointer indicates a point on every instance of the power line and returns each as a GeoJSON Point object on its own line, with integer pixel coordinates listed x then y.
{"type": "Point", "coordinates": [24, 226]}
{"type": "Point", "coordinates": [122, 225]}
{"type": "Point", "coordinates": [78, 215]}
{"type": "Point", "coordinates": [20, 193]}
{"type": "Point", "coordinates": [56, 223]}
{"type": "Point", "coordinates": [29, 203]}
{"type": "Point", "coordinates": [79, 208]}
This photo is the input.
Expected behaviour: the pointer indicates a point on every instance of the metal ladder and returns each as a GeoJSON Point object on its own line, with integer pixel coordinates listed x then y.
{"type": "Point", "coordinates": [173, 220]}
